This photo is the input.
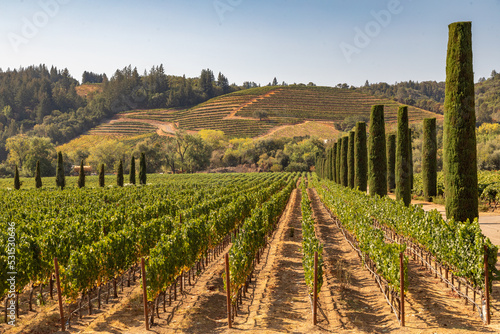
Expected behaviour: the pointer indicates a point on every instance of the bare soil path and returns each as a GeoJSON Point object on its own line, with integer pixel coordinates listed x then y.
{"type": "Point", "coordinates": [358, 303]}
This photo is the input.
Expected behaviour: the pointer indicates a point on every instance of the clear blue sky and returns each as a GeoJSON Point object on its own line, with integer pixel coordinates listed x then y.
{"type": "Point", "coordinates": [323, 41]}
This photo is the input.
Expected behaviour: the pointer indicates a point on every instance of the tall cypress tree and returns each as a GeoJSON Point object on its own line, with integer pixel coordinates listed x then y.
{"type": "Point", "coordinates": [343, 162]}
{"type": "Point", "coordinates": [132, 170]}
{"type": "Point", "coordinates": [101, 176]}
{"type": "Point", "coordinates": [81, 176]}
{"type": "Point", "coordinates": [17, 182]}
{"type": "Point", "coordinates": [334, 162]}
{"type": "Point", "coordinates": [429, 159]}
{"type": "Point", "coordinates": [350, 160]}
{"type": "Point", "coordinates": [60, 180]}
{"type": "Point", "coordinates": [410, 160]}
{"type": "Point", "coordinates": [391, 162]}
{"type": "Point", "coordinates": [360, 160]}
{"type": "Point", "coordinates": [459, 136]}
{"type": "Point", "coordinates": [337, 163]}
{"type": "Point", "coordinates": [328, 164]}
{"type": "Point", "coordinates": [38, 175]}
{"type": "Point", "coordinates": [403, 186]}
{"type": "Point", "coordinates": [142, 169]}
{"type": "Point", "coordinates": [119, 175]}
{"type": "Point", "coordinates": [377, 159]}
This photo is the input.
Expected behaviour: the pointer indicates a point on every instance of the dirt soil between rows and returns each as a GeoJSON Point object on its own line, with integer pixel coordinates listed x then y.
{"type": "Point", "coordinates": [277, 300]}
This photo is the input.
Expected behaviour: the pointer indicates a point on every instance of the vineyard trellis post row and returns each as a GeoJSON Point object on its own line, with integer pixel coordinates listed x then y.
{"type": "Point", "coordinates": [486, 285]}
{"type": "Point", "coordinates": [59, 294]}
{"type": "Point", "coordinates": [402, 287]}
{"type": "Point", "coordinates": [459, 133]}
{"type": "Point", "coordinates": [144, 292]}
{"type": "Point", "coordinates": [228, 292]}
{"type": "Point", "coordinates": [377, 159]}
{"type": "Point", "coordinates": [315, 293]}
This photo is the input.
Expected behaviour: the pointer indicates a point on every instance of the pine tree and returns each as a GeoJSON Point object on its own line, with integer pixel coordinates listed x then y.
{"type": "Point", "coordinates": [101, 176]}
{"type": "Point", "coordinates": [360, 160]}
{"type": "Point", "coordinates": [350, 160]}
{"type": "Point", "coordinates": [429, 159]}
{"type": "Point", "coordinates": [142, 169]}
{"type": "Point", "coordinates": [38, 175]}
{"type": "Point", "coordinates": [403, 186]}
{"type": "Point", "coordinates": [81, 176]}
{"type": "Point", "coordinates": [377, 159]}
{"type": "Point", "coordinates": [119, 176]}
{"type": "Point", "coordinates": [60, 180]}
{"type": "Point", "coordinates": [391, 162]}
{"type": "Point", "coordinates": [132, 170]}
{"type": "Point", "coordinates": [17, 182]}
{"type": "Point", "coordinates": [343, 162]}
{"type": "Point", "coordinates": [459, 136]}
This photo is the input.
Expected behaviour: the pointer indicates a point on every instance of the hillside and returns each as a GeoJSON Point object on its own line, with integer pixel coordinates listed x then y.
{"type": "Point", "coordinates": [282, 110]}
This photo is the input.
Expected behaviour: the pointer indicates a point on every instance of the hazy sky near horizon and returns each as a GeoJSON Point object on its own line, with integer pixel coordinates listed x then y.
{"type": "Point", "coordinates": [323, 41]}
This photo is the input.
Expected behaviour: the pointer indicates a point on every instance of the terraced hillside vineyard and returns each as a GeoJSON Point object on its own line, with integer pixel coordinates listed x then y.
{"type": "Point", "coordinates": [257, 111]}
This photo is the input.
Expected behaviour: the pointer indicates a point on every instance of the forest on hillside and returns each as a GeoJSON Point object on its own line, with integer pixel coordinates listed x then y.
{"type": "Point", "coordinates": [429, 95]}
{"type": "Point", "coordinates": [43, 102]}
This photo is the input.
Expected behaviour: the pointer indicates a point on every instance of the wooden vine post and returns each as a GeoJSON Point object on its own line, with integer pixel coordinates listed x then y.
{"type": "Point", "coordinates": [486, 285]}
{"type": "Point", "coordinates": [228, 292]}
{"type": "Point", "coordinates": [59, 295]}
{"type": "Point", "coordinates": [402, 287]}
{"type": "Point", "coordinates": [315, 292]}
{"type": "Point", "coordinates": [144, 292]}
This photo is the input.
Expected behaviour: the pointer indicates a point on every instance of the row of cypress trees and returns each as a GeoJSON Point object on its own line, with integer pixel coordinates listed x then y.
{"type": "Point", "coordinates": [61, 182]}
{"type": "Point", "coordinates": [387, 165]}
{"type": "Point", "coordinates": [346, 160]}
{"type": "Point", "coordinates": [390, 163]}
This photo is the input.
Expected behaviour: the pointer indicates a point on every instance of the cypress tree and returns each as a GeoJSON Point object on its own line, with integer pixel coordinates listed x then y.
{"type": "Point", "coordinates": [429, 159]}
{"type": "Point", "coordinates": [38, 175]}
{"type": "Point", "coordinates": [17, 182]}
{"type": "Point", "coordinates": [360, 160]}
{"type": "Point", "coordinates": [101, 176]}
{"type": "Point", "coordinates": [337, 163]}
{"type": "Point", "coordinates": [350, 160]}
{"type": "Point", "coordinates": [142, 169]}
{"type": "Point", "coordinates": [81, 176]}
{"type": "Point", "coordinates": [119, 176]}
{"type": "Point", "coordinates": [132, 170]}
{"type": "Point", "coordinates": [410, 160]}
{"type": "Point", "coordinates": [391, 162]}
{"type": "Point", "coordinates": [60, 180]}
{"type": "Point", "coordinates": [328, 163]}
{"type": "Point", "coordinates": [377, 159]}
{"type": "Point", "coordinates": [343, 162]}
{"type": "Point", "coordinates": [403, 186]}
{"type": "Point", "coordinates": [459, 136]}
{"type": "Point", "coordinates": [334, 162]}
